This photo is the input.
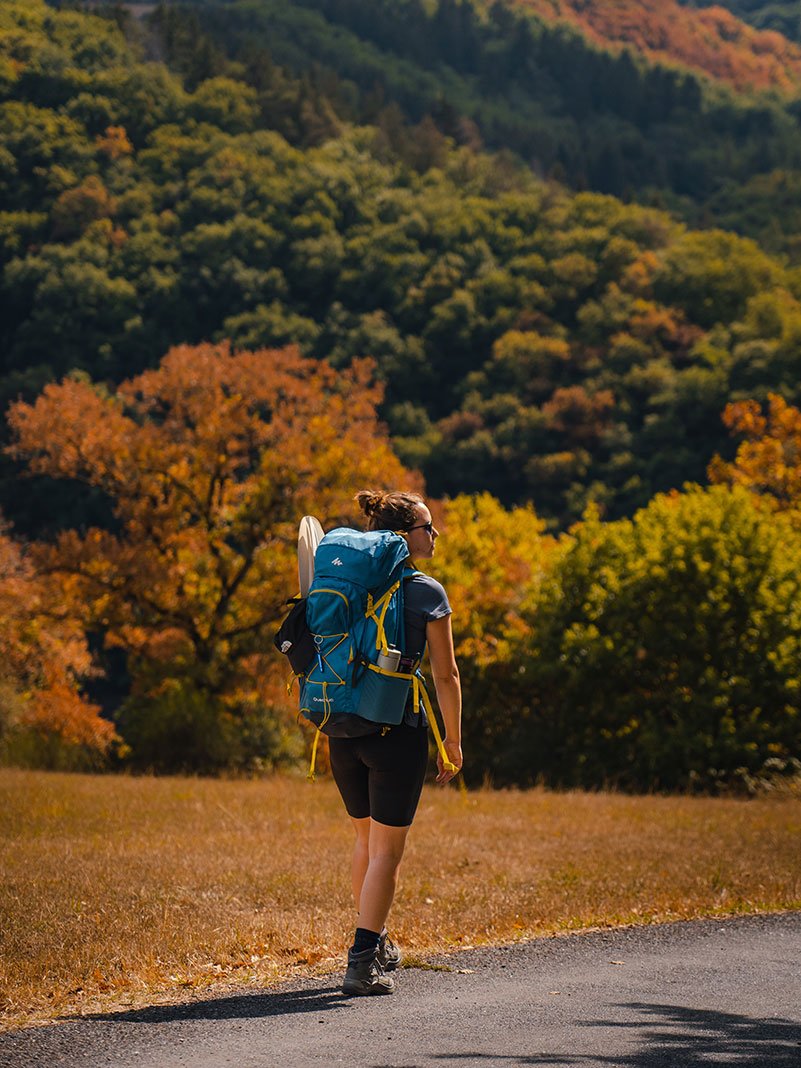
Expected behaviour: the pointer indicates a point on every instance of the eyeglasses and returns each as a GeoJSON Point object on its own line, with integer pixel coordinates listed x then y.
{"type": "Point", "coordinates": [422, 526]}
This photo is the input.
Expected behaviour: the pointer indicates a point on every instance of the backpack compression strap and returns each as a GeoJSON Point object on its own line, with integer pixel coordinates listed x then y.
{"type": "Point", "coordinates": [378, 610]}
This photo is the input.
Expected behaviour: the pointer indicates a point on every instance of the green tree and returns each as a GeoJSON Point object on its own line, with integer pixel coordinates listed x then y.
{"type": "Point", "coordinates": [664, 650]}
{"type": "Point", "coordinates": [713, 276]}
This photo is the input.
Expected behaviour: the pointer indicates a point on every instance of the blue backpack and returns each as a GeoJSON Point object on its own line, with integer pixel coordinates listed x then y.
{"type": "Point", "coordinates": [345, 641]}
{"type": "Point", "coordinates": [358, 679]}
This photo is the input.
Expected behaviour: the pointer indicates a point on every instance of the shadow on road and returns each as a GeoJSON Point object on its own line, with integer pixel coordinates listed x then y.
{"type": "Point", "coordinates": [658, 1036]}
{"type": "Point", "coordinates": [688, 1037]}
{"type": "Point", "coordinates": [241, 1007]}
{"type": "Point", "coordinates": [672, 1036]}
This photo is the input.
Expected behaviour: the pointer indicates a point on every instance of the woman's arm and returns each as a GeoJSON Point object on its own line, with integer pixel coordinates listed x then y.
{"type": "Point", "coordinates": [449, 691]}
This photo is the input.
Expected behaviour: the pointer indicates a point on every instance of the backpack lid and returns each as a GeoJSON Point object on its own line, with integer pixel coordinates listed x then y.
{"type": "Point", "coordinates": [366, 558]}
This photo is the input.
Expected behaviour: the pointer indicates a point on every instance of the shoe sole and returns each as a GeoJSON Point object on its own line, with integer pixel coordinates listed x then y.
{"type": "Point", "coordinates": [366, 989]}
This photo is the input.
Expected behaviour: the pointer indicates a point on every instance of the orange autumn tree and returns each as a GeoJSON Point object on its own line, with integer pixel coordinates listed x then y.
{"type": "Point", "coordinates": [768, 461]}
{"type": "Point", "coordinates": [208, 462]}
{"type": "Point", "coordinates": [43, 655]}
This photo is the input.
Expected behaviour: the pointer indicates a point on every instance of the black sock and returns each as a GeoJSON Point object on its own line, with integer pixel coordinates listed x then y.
{"type": "Point", "coordinates": [364, 939]}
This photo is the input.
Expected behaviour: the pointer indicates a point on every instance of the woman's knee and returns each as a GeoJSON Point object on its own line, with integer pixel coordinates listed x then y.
{"type": "Point", "coordinates": [387, 843]}
{"type": "Point", "coordinates": [362, 828]}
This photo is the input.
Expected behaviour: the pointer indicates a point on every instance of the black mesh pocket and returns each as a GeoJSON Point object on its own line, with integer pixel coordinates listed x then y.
{"type": "Point", "coordinates": [294, 639]}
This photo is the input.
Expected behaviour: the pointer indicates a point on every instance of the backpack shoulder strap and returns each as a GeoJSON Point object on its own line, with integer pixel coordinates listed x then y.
{"type": "Point", "coordinates": [377, 611]}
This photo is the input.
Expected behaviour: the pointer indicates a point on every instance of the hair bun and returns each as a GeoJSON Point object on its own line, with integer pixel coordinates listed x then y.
{"type": "Point", "coordinates": [389, 511]}
{"type": "Point", "coordinates": [370, 501]}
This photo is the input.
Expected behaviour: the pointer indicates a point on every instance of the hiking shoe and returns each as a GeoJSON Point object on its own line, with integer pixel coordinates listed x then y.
{"type": "Point", "coordinates": [365, 975]}
{"type": "Point", "coordinates": [389, 956]}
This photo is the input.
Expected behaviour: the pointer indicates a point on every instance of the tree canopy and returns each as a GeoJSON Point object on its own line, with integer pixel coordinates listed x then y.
{"type": "Point", "coordinates": [556, 347]}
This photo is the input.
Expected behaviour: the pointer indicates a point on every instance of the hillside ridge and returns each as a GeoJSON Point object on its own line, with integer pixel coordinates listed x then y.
{"type": "Point", "coordinates": [711, 39]}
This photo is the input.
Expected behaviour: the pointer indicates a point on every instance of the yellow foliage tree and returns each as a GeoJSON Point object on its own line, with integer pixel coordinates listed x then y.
{"type": "Point", "coordinates": [768, 461]}
{"type": "Point", "coordinates": [492, 562]}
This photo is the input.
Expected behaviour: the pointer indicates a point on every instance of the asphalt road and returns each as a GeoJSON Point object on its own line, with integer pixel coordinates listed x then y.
{"type": "Point", "coordinates": [710, 992]}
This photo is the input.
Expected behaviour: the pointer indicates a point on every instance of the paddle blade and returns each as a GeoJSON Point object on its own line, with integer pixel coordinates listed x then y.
{"type": "Point", "coordinates": [310, 534]}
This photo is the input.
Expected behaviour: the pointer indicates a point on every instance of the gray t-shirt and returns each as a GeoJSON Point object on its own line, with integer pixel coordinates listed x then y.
{"type": "Point", "coordinates": [424, 599]}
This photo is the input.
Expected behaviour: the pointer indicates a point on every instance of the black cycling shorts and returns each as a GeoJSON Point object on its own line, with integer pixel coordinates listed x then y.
{"type": "Point", "coordinates": [381, 775]}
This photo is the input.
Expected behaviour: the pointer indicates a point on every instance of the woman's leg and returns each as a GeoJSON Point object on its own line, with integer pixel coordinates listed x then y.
{"type": "Point", "coordinates": [380, 778]}
{"type": "Point", "coordinates": [385, 851]}
{"type": "Point", "coordinates": [361, 855]}
{"type": "Point", "coordinates": [378, 851]}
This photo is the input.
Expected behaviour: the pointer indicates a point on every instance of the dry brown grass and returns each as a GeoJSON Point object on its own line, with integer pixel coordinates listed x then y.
{"type": "Point", "coordinates": [118, 889]}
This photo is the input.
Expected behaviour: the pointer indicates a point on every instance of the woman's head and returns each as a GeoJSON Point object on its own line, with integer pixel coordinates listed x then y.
{"type": "Point", "coordinates": [405, 513]}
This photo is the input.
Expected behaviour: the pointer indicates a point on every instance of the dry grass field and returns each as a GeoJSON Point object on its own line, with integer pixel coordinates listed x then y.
{"type": "Point", "coordinates": [118, 890]}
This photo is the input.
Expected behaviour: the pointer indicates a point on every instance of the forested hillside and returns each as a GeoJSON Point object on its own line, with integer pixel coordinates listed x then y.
{"type": "Point", "coordinates": [594, 115]}
{"type": "Point", "coordinates": [555, 346]}
{"type": "Point", "coordinates": [710, 40]}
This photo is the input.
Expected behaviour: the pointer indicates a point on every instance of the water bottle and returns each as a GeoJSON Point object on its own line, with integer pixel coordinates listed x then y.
{"type": "Point", "coordinates": [389, 660]}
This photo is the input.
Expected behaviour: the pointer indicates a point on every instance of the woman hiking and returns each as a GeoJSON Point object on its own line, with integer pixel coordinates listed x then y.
{"type": "Point", "coordinates": [380, 776]}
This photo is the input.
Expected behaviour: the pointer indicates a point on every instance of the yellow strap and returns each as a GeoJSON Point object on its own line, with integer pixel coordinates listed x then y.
{"type": "Point", "coordinates": [311, 776]}
{"type": "Point", "coordinates": [392, 674]}
{"type": "Point", "coordinates": [380, 638]}
{"type": "Point", "coordinates": [384, 645]}
{"type": "Point", "coordinates": [432, 722]}
{"type": "Point", "coordinates": [290, 682]}
{"type": "Point", "coordinates": [313, 761]}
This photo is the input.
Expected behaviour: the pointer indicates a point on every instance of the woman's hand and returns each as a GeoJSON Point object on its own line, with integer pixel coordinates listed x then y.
{"type": "Point", "coordinates": [453, 751]}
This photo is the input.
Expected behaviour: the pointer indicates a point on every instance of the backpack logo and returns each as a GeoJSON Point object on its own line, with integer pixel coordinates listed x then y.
{"type": "Point", "coordinates": [336, 562]}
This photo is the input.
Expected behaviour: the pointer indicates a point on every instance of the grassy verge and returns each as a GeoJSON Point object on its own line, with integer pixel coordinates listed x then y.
{"type": "Point", "coordinates": [116, 889]}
